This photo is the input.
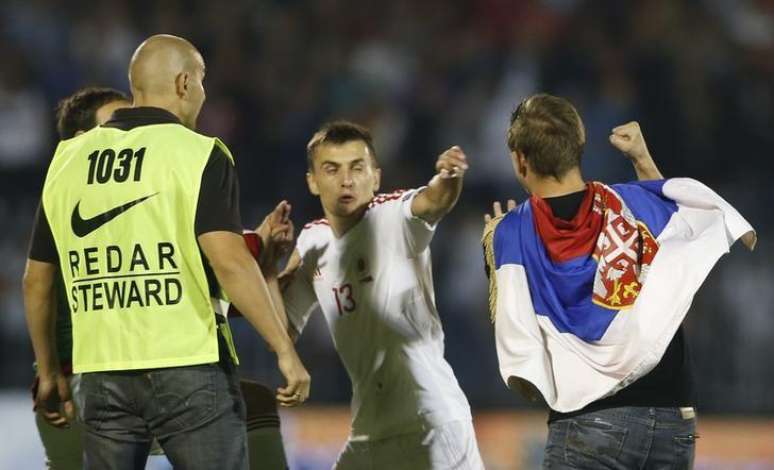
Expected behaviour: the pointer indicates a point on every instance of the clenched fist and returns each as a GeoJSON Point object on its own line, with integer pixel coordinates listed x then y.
{"type": "Point", "coordinates": [297, 390]}
{"type": "Point", "coordinates": [629, 140]}
{"type": "Point", "coordinates": [452, 163]}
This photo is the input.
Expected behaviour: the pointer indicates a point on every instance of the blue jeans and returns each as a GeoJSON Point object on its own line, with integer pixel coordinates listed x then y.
{"type": "Point", "coordinates": [622, 438]}
{"type": "Point", "coordinates": [196, 413]}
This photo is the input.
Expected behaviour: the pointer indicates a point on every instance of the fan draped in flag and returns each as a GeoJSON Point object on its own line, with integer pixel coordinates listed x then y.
{"type": "Point", "coordinates": [582, 308]}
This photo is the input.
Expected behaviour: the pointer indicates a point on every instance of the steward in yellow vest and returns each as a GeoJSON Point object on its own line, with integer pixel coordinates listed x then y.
{"type": "Point", "coordinates": [125, 202]}
{"type": "Point", "coordinates": [135, 214]}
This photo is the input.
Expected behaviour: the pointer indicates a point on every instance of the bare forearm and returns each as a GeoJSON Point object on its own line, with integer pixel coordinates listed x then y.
{"type": "Point", "coordinates": [629, 140]}
{"type": "Point", "coordinates": [647, 170]}
{"type": "Point", "coordinates": [444, 192]}
{"type": "Point", "coordinates": [254, 301]}
{"type": "Point", "coordinates": [41, 319]}
{"type": "Point", "coordinates": [444, 189]}
{"type": "Point", "coordinates": [239, 275]}
{"type": "Point", "coordinates": [437, 199]}
{"type": "Point", "coordinates": [276, 297]}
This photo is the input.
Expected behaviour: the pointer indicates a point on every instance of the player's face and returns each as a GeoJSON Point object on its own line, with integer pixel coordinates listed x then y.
{"type": "Point", "coordinates": [344, 177]}
{"type": "Point", "coordinates": [106, 110]}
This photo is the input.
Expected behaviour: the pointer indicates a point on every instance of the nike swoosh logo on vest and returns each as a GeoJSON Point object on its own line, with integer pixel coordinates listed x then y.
{"type": "Point", "coordinates": [82, 227]}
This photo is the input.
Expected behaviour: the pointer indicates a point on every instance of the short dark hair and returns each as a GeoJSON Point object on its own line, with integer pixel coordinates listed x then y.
{"type": "Point", "coordinates": [78, 112]}
{"type": "Point", "coordinates": [340, 132]}
{"type": "Point", "coordinates": [549, 132]}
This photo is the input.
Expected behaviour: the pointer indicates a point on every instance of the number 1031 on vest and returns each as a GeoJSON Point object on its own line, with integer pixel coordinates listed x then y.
{"type": "Point", "coordinates": [106, 165]}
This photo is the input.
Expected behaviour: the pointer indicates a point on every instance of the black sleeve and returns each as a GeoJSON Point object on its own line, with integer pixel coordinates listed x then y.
{"type": "Point", "coordinates": [218, 206]}
{"type": "Point", "coordinates": [42, 246]}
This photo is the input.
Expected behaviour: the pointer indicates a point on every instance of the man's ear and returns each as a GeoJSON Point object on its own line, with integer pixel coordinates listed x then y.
{"type": "Point", "coordinates": [312, 183]}
{"type": "Point", "coordinates": [377, 179]}
{"type": "Point", "coordinates": [521, 164]}
{"type": "Point", "coordinates": [181, 84]}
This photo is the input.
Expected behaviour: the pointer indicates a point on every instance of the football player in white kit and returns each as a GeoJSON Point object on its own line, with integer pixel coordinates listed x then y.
{"type": "Point", "coordinates": [367, 265]}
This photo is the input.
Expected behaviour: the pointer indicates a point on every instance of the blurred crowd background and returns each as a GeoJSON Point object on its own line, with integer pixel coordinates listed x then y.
{"type": "Point", "coordinates": [424, 75]}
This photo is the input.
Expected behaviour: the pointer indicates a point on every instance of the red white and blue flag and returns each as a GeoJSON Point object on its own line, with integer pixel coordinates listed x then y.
{"type": "Point", "coordinates": [583, 308]}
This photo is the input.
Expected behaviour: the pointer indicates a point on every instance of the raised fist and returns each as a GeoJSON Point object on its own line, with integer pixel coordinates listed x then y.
{"type": "Point", "coordinates": [452, 163]}
{"type": "Point", "coordinates": [629, 140]}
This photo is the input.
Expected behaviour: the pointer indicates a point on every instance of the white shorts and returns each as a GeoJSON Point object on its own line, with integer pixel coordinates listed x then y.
{"type": "Point", "coordinates": [451, 446]}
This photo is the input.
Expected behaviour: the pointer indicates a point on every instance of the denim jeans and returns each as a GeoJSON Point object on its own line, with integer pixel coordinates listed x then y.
{"type": "Point", "coordinates": [196, 413]}
{"type": "Point", "coordinates": [623, 438]}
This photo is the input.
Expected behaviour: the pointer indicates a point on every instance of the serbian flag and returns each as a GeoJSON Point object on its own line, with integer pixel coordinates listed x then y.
{"type": "Point", "coordinates": [585, 307]}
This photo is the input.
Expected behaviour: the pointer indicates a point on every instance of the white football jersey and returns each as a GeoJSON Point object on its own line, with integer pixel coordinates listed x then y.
{"type": "Point", "coordinates": [375, 287]}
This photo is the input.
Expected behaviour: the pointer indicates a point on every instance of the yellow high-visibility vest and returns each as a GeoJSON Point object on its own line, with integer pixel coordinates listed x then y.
{"type": "Point", "coordinates": [121, 206]}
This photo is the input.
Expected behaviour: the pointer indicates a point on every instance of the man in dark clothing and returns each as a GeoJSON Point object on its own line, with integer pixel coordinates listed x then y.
{"type": "Point", "coordinates": [75, 115]}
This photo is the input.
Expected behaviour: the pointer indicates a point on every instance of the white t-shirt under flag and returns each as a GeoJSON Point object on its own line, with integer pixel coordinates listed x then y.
{"type": "Point", "coordinates": [375, 287]}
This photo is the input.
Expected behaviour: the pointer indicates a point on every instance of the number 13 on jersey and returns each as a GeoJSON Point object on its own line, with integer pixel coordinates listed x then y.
{"type": "Point", "coordinates": [344, 300]}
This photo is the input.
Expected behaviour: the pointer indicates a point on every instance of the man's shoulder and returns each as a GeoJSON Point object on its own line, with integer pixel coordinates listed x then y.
{"type": "Point", "coordinates": [388, 206]}
{"type": "Point", "coordinates": [387, 199]}
{"type": "Point", "coordinates": [318, 230]}
{"type": "Point", "coordinates": [507, 232]}
{"type": "Point", "coordinates": [512, 220]}
{"type": "Point", "coordinates": [317, 225]}
{"type": "Point", "coordinates": [208, 145]}
{"type": "Point", "coordinates": [314, 237]}
{"type": "Point", "coordinates": [215, 146]}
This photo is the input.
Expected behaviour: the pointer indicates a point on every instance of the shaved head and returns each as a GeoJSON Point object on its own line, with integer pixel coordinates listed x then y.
{"type": "Point", "coordinates": [167, 71]}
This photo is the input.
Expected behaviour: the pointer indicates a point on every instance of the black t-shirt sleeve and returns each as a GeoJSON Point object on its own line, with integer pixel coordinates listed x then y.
{"type": "Point", "coordinates": [218, 207]}
{"type": "Point", "coordinates": [42, 246]}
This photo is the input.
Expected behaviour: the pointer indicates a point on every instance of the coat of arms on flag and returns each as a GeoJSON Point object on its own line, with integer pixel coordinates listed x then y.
{"type": "Point", "coordinates": [624, 251]}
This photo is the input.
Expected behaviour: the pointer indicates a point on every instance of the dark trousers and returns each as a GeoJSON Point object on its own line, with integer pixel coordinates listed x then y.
{"type": "Point", "coordinates": [622, 438]}
{"type": "Point", "coordinates": [196, 413]}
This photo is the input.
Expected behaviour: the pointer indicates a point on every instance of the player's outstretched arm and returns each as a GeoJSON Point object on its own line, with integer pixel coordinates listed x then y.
{"type": "Point", "coordinates": [39, 306]}
{"type": "Point", "coordinates": [629, 140]}
{"type": "Point", "coordinates": [444, 189]}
